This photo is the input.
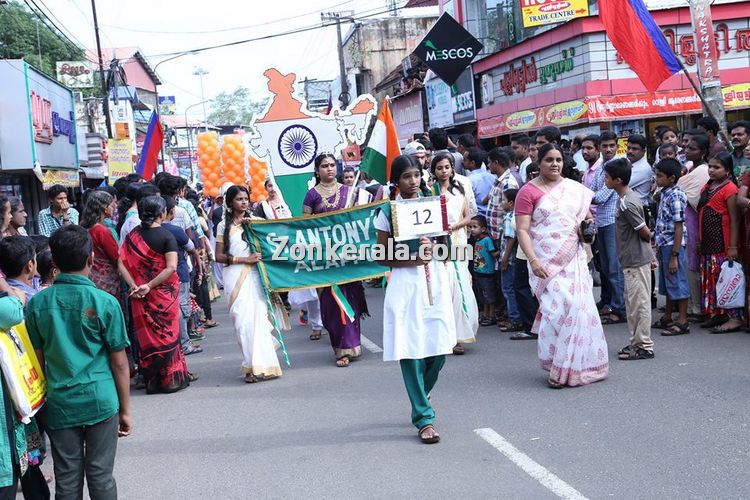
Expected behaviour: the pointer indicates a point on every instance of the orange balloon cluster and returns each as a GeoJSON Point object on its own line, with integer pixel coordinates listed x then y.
{"type": "Point", "coordinates": [233, 159]}
{"type": "Point", "coordinates": [257, 170]}
{"type": "Point", "coordinates": [209, 161]}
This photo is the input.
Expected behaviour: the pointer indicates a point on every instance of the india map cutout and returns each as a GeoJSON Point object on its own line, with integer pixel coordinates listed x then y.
{"type": "Point", "coordinates": [288, 136]}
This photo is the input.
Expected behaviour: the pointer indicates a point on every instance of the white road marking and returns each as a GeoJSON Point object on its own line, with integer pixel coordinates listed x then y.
{"type": "Point", "coordinates": [370, 345]}
{"type": "Point", "coordinates": [529, 466]}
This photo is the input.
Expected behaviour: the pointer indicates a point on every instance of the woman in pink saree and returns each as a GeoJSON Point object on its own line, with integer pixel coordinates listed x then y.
{"type": "Point", "coordinates": [549, 212]}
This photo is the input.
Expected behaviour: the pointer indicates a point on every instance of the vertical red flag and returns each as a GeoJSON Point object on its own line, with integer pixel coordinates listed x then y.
{"type": "Point", "coordinates": [638, 39]}
{"type": "Point", "coordinates": [151, 148]}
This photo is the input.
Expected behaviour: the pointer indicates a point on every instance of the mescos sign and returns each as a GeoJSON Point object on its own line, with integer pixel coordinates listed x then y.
{"type": "Point", "coordinates": [448, 48]}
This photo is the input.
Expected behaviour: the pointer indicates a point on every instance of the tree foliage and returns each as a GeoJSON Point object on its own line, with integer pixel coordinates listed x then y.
{"type": "Point", "coordinates": [18, 40]}
{"type": "Point", "coordinates": [234, 108]}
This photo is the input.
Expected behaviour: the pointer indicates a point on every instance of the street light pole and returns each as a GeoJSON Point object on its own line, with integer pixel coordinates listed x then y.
{"type": "Point", "coordinates": [107, 118]}
{"type": "Point", "coordinates": [345, 96]}
{"type": "Point", "coordinates": [190, 136]}
{"type": "Point", "coordinates": [156, 91]}
{"type": "Point", "coordinates": [200, 72]}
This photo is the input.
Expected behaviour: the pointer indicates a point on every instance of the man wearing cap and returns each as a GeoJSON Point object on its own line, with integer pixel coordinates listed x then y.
{"type": "Point", "coordinates": [417, 151]}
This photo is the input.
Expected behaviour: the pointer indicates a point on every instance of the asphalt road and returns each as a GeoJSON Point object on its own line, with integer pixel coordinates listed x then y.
{"type": "Point", "coordinates": [672, 427]}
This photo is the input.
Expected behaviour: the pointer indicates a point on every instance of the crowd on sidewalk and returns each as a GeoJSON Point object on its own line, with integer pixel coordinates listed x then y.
{"type": "Point", "coordinates": [123, 289]}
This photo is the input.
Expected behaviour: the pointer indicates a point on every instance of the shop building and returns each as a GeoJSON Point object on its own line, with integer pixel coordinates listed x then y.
{"type": "Point", "coordinates": [38, 136]}
{"type": "Point", "coordinates": [571, 76]}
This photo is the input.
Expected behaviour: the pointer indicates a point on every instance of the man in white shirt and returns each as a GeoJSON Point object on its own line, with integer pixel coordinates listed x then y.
{"type": "Point", "coordinates": [481, 179]}
{"type": "Point", "coordinates": [520, 145]}
{"type": "Point", "coordinates": [642, 175]}
{"type": "Point", "coordinates": [575, 148]}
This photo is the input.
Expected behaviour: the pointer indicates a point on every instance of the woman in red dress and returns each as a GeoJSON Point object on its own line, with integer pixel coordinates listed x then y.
{"type": "Point", "coordinates": [148, 264]}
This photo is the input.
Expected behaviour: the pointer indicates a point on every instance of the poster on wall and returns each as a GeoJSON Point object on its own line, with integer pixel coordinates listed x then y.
{"type": "Point", "coordinates": [120, 158]}
{"type": "Point", "coordinates": [167, 105]}
{"type": "Point", "coordinates": [541, 12]}
{"type": "Point", "coordinates": [439, 110]}
{"type": "Point", "coordinates": [462, 98]}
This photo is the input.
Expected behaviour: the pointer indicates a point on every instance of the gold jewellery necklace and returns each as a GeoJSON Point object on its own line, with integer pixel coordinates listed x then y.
{"type": "Point", "coordinates": [327, 192]}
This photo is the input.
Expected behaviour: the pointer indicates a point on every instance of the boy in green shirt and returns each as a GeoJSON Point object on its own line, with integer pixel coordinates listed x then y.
{"type": "Point", "coordinates": [79, 331]}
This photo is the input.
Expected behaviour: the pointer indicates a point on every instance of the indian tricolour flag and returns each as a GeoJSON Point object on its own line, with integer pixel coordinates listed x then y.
{"type": "Point", "coordinates": [382, 148]}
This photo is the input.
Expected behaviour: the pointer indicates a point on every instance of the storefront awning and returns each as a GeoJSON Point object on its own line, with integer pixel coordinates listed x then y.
{"type": "Point", "coordinates": [560, 115]}
{"type": "Point", "coordinates": [609, 108]}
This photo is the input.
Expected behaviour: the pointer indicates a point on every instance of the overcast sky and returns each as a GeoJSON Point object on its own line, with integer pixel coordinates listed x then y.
{"type": "Point", "coordinates": [311, 54]}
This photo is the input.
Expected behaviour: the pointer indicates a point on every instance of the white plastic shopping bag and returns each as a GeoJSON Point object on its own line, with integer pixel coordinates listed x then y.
{"type": "Point", "coordinates": [730, 289]}
{"type": "Point", "coordinates": [298, 298]}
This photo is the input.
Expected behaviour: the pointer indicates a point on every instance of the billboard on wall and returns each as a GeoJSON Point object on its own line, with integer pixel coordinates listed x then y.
{"type": "Point", "coordinates": [38, 124]}
{"type": "Point", "coordinates": [120, 158]}
{"type": "Point", "coordinates": [541, 12]}
{"type": "Point", "coordinates": [438, 104]}
{"type": "Point", "coordinates": [451, 105]}
{"type": "Point", "coordinates": [75, 74]}
{"type": "Point", "coordinates": [167, 105]}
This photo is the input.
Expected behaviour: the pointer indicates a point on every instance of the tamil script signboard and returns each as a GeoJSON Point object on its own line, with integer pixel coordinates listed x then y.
{"type": "Point", "coordinates": [448, 49]}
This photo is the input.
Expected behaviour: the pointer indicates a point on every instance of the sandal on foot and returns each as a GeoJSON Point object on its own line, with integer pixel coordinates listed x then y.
{"type": "Point", "coordinates": [458, 350]}
{"type": "Point", "coordinates": [524, 336]}
{"type": "Point", "coordinates": [662, 323]}
{"type": "Point", "coordinates": [211, 323]}
{"type": "Point", "coordinates": [343, 362]}
{"type": "Point", "coordinates": [715, 321]}
{"type": "Point", "coordinates": [696, 318]}
{"type": "Point", "coordinates": [625, 350]}
{"type": "Point", "coordinates": [192, 377]}
{"type": "Point", "coordinates": [428, 440]}
{"type": "Point", "coordinates": [677, 329]}
{"type": "Point", "coordinates": [725, 329]}
{"type": "Point", "coordinates": [315, 335]}
{"type": "Point", "coordinates": [193, 349]}
{"type": "Point", "coordinates": [608, 319]}
{"type": "Point", "coordinates": [486, 322]}
{"type": "Point", "coordinates": [251, 379]}
{"type": "Point", "coordinates": [512, 327]}
{"type": "Point", "coordinates": [636, 353]}
{"type": "Point", "coordinates": [554, 385]}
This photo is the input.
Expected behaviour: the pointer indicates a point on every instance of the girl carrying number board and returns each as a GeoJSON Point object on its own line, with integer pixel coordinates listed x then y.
{"type": "Point", "coordinates": [417, 332]}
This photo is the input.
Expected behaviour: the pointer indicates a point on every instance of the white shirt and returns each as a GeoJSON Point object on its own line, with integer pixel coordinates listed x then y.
{"type": "Point", "coordinates": [522, 168]}
{"type": "Point", "coordinates": [581, 164]}
{"type": "Point", "coordinates": [468, 189]}
{"type": "Point", "coordinates": [641, 178]}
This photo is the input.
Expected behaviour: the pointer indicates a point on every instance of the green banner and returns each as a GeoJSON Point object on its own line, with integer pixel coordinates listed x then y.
{"type": "Point", "coordinates": [318, 250]}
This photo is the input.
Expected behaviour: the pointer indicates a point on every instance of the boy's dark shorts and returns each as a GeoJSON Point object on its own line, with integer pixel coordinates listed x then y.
{"type": "Point", "coordinates": [486, 286]}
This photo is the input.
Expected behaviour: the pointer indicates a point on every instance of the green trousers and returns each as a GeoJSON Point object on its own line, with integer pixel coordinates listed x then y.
{"type": "Point", "coordinates": [420, 376]}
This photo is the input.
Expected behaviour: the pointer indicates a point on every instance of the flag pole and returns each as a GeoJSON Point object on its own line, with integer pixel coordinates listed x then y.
{"type": "Point", "coordinates": [697, 90]}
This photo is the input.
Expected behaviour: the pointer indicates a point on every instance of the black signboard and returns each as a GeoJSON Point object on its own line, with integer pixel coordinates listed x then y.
{"type": "Point", "coordinates": [448, 49]}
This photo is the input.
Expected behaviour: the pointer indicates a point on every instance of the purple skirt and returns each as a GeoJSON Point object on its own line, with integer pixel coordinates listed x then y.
{"type": "Point", "coordinates": [345, 335]}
